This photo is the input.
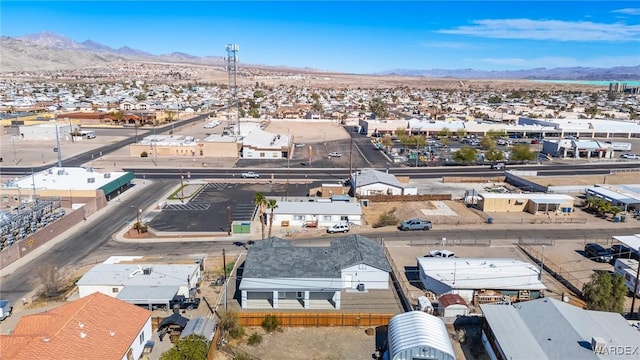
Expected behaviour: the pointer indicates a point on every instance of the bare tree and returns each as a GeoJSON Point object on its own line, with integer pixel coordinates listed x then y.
{"type": "Point", "coordinates": [50, 279]}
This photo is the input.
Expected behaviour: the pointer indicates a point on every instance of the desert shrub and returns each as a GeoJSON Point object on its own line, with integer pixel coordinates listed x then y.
{"type": "Point", "coordinates": [144, 154]}
{"type": "Point", "coordinates": [254, 339]}
{"type": "Point", "coordinates": [387, 219]}
{"type": "Point", "coordinates": [270, 323]}
{"type": "Point", "coordinates": [229, 322]}
{"type": "Point", "coordinates": [237, 332]}
{"type": "Point", "coordinates": [243, 356]}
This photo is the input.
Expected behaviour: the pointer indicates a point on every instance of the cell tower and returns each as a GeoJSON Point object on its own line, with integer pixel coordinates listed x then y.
{"type": "Point", "coordinates": [232, 61]}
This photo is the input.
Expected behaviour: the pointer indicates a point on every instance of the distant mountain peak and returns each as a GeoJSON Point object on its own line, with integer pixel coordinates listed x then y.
{"type": "Point", "coordinates": [52, 40]}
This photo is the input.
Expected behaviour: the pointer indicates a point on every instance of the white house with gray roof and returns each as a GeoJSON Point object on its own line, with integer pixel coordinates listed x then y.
{"type": "Point", "coordinates": [280, 275]}
{"type": "Point", "coordinates": [323, 214]}
{"type": "Point", "coordinates": [141, 284]}
{"type": "Point", "coordinates": [373, 182]}
{"type": "Point", "coordinates": [551, 329]}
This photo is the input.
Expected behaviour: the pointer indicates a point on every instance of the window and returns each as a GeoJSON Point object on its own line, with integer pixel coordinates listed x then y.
{"type": "Point", "coordinates": [299, 217]}
{"type": "Point", "coordinates": [5, 199]}
{"type": "Point", "coordinates": [115, 290]}
{"type": "Point", "coordinates": [261, 154]}
{"type": "Point", "coordinates": [326, 218]}
{"type": "Point", "coordinates": [362, 267]}
{"type": "Point", "coordinates": [344, 218]}
{"type": "Point", "coordinates": [142, 337]}
{"type": "Point", "coordinates": [300, 295]}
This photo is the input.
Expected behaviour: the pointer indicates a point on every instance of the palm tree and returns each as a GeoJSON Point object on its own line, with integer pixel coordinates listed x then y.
{"type": "Point", "coordinates": [272, 204]}
{"type": "Point", "coordinates": [261, 203]}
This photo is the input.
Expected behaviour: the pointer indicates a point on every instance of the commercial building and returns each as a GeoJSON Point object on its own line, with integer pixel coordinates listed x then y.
{"type": "Point", "coordinates": [533, 203]}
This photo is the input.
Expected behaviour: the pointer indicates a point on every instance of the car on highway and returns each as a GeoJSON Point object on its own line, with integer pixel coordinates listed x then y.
{"type": "Point", "coordinates": [250, 174]}
{"type": "Point", "coordinates": [441, 254]}
{"type": "Point", "coordinates": [301, 144]}
{"type": "Point", "coordinates": [343, 228]}
{"type": "Point", "coordinates": [415, 224]}
{"type": "Point", "coordinates": [335, 154]}
{"type": "Point", "coordinates": [630, 156]}
{"type": "Point", "coordinates": [597, 253]}
{"type": "Point", "coordinates": [498, 166]}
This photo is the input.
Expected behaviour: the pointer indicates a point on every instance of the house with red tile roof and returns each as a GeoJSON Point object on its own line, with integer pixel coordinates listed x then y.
{"type": "Point", "coordinates": [93, 327]}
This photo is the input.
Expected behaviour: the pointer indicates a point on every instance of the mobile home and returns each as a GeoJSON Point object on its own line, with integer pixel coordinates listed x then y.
{"type": "Point", "coordinates": [628, 268]}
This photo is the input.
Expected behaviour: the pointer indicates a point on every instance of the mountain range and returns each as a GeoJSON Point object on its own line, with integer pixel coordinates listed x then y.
{"type": "Point", "coordinates": [51, 51]}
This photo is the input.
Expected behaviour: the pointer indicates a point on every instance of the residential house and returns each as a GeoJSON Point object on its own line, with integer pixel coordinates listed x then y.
{"type": "Point", "coordinates": [481, 280]}
{"type": "Point", "coordinates": [320, 214]}
{"type": "Point", "coordinates": [149, 284]}
{"type": "Point", "coordinates": [374, 182]}
{"type": "Point", "coordinates": [551, 329]}
{"type": "Point", "coordinates": [280, 275]}
{"type": "Point", "coordinates": [96, 326]}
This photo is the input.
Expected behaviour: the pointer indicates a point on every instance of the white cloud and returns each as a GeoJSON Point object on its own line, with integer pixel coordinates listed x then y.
{"type": "Point", "coordinates": [548, 30]}
{"type": "Point", "coordinates": [627, 11]}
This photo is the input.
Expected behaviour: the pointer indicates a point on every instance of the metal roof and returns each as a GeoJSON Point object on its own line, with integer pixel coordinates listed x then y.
{"type": "Point", "coordinates": [482, 273]}
{"type": "Point", "coordinates": [200, 326]}
{"type": "Point", "coordinates": [413, 330]}
{"type": "Point", "coordinates": [71, 178]}
{"type": "Point", "coordinates": [551, 329]}
{"type": "Point", "coordinates": [610, 194]}
{"type": "Point", "coordinates": [632, 241]}
{"type": "Point", "coordinates": [277, 263]}
{"type": "Point", "coordinates": [131, 275]}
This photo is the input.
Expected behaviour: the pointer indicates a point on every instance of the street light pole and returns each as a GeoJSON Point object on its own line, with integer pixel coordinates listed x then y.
{"type": "Point", "coordinates": [541, 264]}
{"type": "Point", "coordinates": [288, 162]}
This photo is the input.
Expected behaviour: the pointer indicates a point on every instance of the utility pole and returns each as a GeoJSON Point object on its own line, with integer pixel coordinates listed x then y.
{"type": "Point", "coordinates": [350, 158]}
{"type": "Point", "coordinates": [58, 147]}
{"type": "Point", "coordinates": [541, 264]}
{"type": "Point", "coordinates": [288, 161]}
{"type": "Point", "coordinates": [181, 187]}
{"type": "Point", "coordinates": [635, 289]}
{"type": "Point", "coordinates": [224, 264]}
{"type": "Point", "coordinates": [229, 220]}
{"type": "Point", "coordinates": [15, 154]}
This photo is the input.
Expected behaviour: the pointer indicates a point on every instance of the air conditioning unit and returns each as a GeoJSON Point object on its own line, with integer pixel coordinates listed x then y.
{"type": "Point", "coordinates": [360, 287]}
{"type": "Point", "coordinates": [598, 345]}
{"type": "Point", "coordinates": [107, 175]}
{"type": "Point", "coordinates": [91, 180]}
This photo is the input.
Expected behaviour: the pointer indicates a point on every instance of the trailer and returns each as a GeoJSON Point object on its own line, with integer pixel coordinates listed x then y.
{"type": "Point", "coordinates": [628, 268]}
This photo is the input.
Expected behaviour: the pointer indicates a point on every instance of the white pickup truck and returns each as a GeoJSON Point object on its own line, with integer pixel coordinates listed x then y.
{"type": "Point", "coordinates": [250, 175]}
{"type": "Point", "coordinates": [5, 309]}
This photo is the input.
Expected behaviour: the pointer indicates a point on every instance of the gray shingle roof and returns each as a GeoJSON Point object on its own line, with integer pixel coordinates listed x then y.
{"type": "Point", "coordinates": [370, 176]}
{"type": "Point", "coordinates": [278, 258]}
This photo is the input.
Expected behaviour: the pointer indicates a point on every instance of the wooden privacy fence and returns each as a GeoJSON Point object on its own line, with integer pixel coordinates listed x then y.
{"type": "Point", "coordinates": [316, 319]}
{"type": "Point", "coordinates": [390, 198]}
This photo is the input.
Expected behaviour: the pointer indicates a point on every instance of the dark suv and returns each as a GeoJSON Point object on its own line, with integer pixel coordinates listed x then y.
{"type": "Point", "coordinates": [597, 252]}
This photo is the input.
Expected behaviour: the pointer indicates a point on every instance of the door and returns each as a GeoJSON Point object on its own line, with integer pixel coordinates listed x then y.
{"type": "Point", "coordinates": [348, 279]}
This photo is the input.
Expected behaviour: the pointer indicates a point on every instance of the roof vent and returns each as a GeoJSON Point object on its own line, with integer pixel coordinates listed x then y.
{"type": "Point", "coordinates": [112, 333]}
{"type": "Point", "coordinates": [91, 180]}
{"type": "Point", "coordinates": [107, 175]}
{"type": "Point", "coordinates": [81, 325]}
{"type": "Point", "coordinates": [598, 345]}
{"type": "Point", "coordinates": [83, 335]}
{"type": "Point", "coordinates": [146, 271]}
{"type": "Point", "coordinates": [60, 172]}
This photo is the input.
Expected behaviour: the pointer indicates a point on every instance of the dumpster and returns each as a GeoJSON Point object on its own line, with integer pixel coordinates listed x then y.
{"type": "Point", "coordinates": [490, 220]}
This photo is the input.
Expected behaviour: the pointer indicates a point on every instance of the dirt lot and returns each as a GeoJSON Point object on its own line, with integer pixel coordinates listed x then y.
{"type": "Point", "coordinates": [309, 131]}
{"type": "Point", "coordinates": [438, 212]}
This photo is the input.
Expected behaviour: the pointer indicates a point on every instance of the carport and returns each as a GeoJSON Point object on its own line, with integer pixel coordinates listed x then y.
{"type": "Point", "coordinates": [616, 198]}
{"type": "Point", "coordinates": [148, 295]}
{"type": "Point", "coordinates": [632, 241]}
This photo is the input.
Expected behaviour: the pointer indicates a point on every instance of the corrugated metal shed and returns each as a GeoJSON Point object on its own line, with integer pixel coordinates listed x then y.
{"type": "Point", "coordinates": [418, 335]}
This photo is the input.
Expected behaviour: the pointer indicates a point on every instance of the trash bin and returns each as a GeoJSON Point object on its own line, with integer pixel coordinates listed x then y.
{"type": "Point", "coordinates": [623, 218]}
{"type": "Point", "coordinates": [490, 220]}
{"type": "Point", "coordinates": [616, 219]}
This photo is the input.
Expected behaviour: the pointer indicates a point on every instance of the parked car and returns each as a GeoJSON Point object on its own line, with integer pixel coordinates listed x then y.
{"type": "Point", "coordinates": [5, 309]}
{"type": "Point", "coordinates": [415, 224]}
{"type": "Point", "coordinates": [250, 174]}
{"type": "Point", "coordinates": [335, 154]}
{"type": "Point", "coordinates": [300, 145]}
{"type": "Point", "coordinates": [441, 254]}
{"type": "Point", "coordinates": [343, 228]}
{"type": "Point", "coordinates": [630, 156]}
{"type": "Point", "coordinates": [623, 252]}
{"type": "Point", "coordinates": [184, 302]}
{"type": "Point", "coordinates": [597, 253]}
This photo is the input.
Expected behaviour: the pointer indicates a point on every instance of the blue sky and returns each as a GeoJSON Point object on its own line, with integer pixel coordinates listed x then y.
{"type": "Point", "coordinates": [353, 36]}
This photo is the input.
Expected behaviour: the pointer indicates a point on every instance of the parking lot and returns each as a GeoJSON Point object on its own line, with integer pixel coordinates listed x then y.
{"type": "Point", "coordinates": [207, 211]}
